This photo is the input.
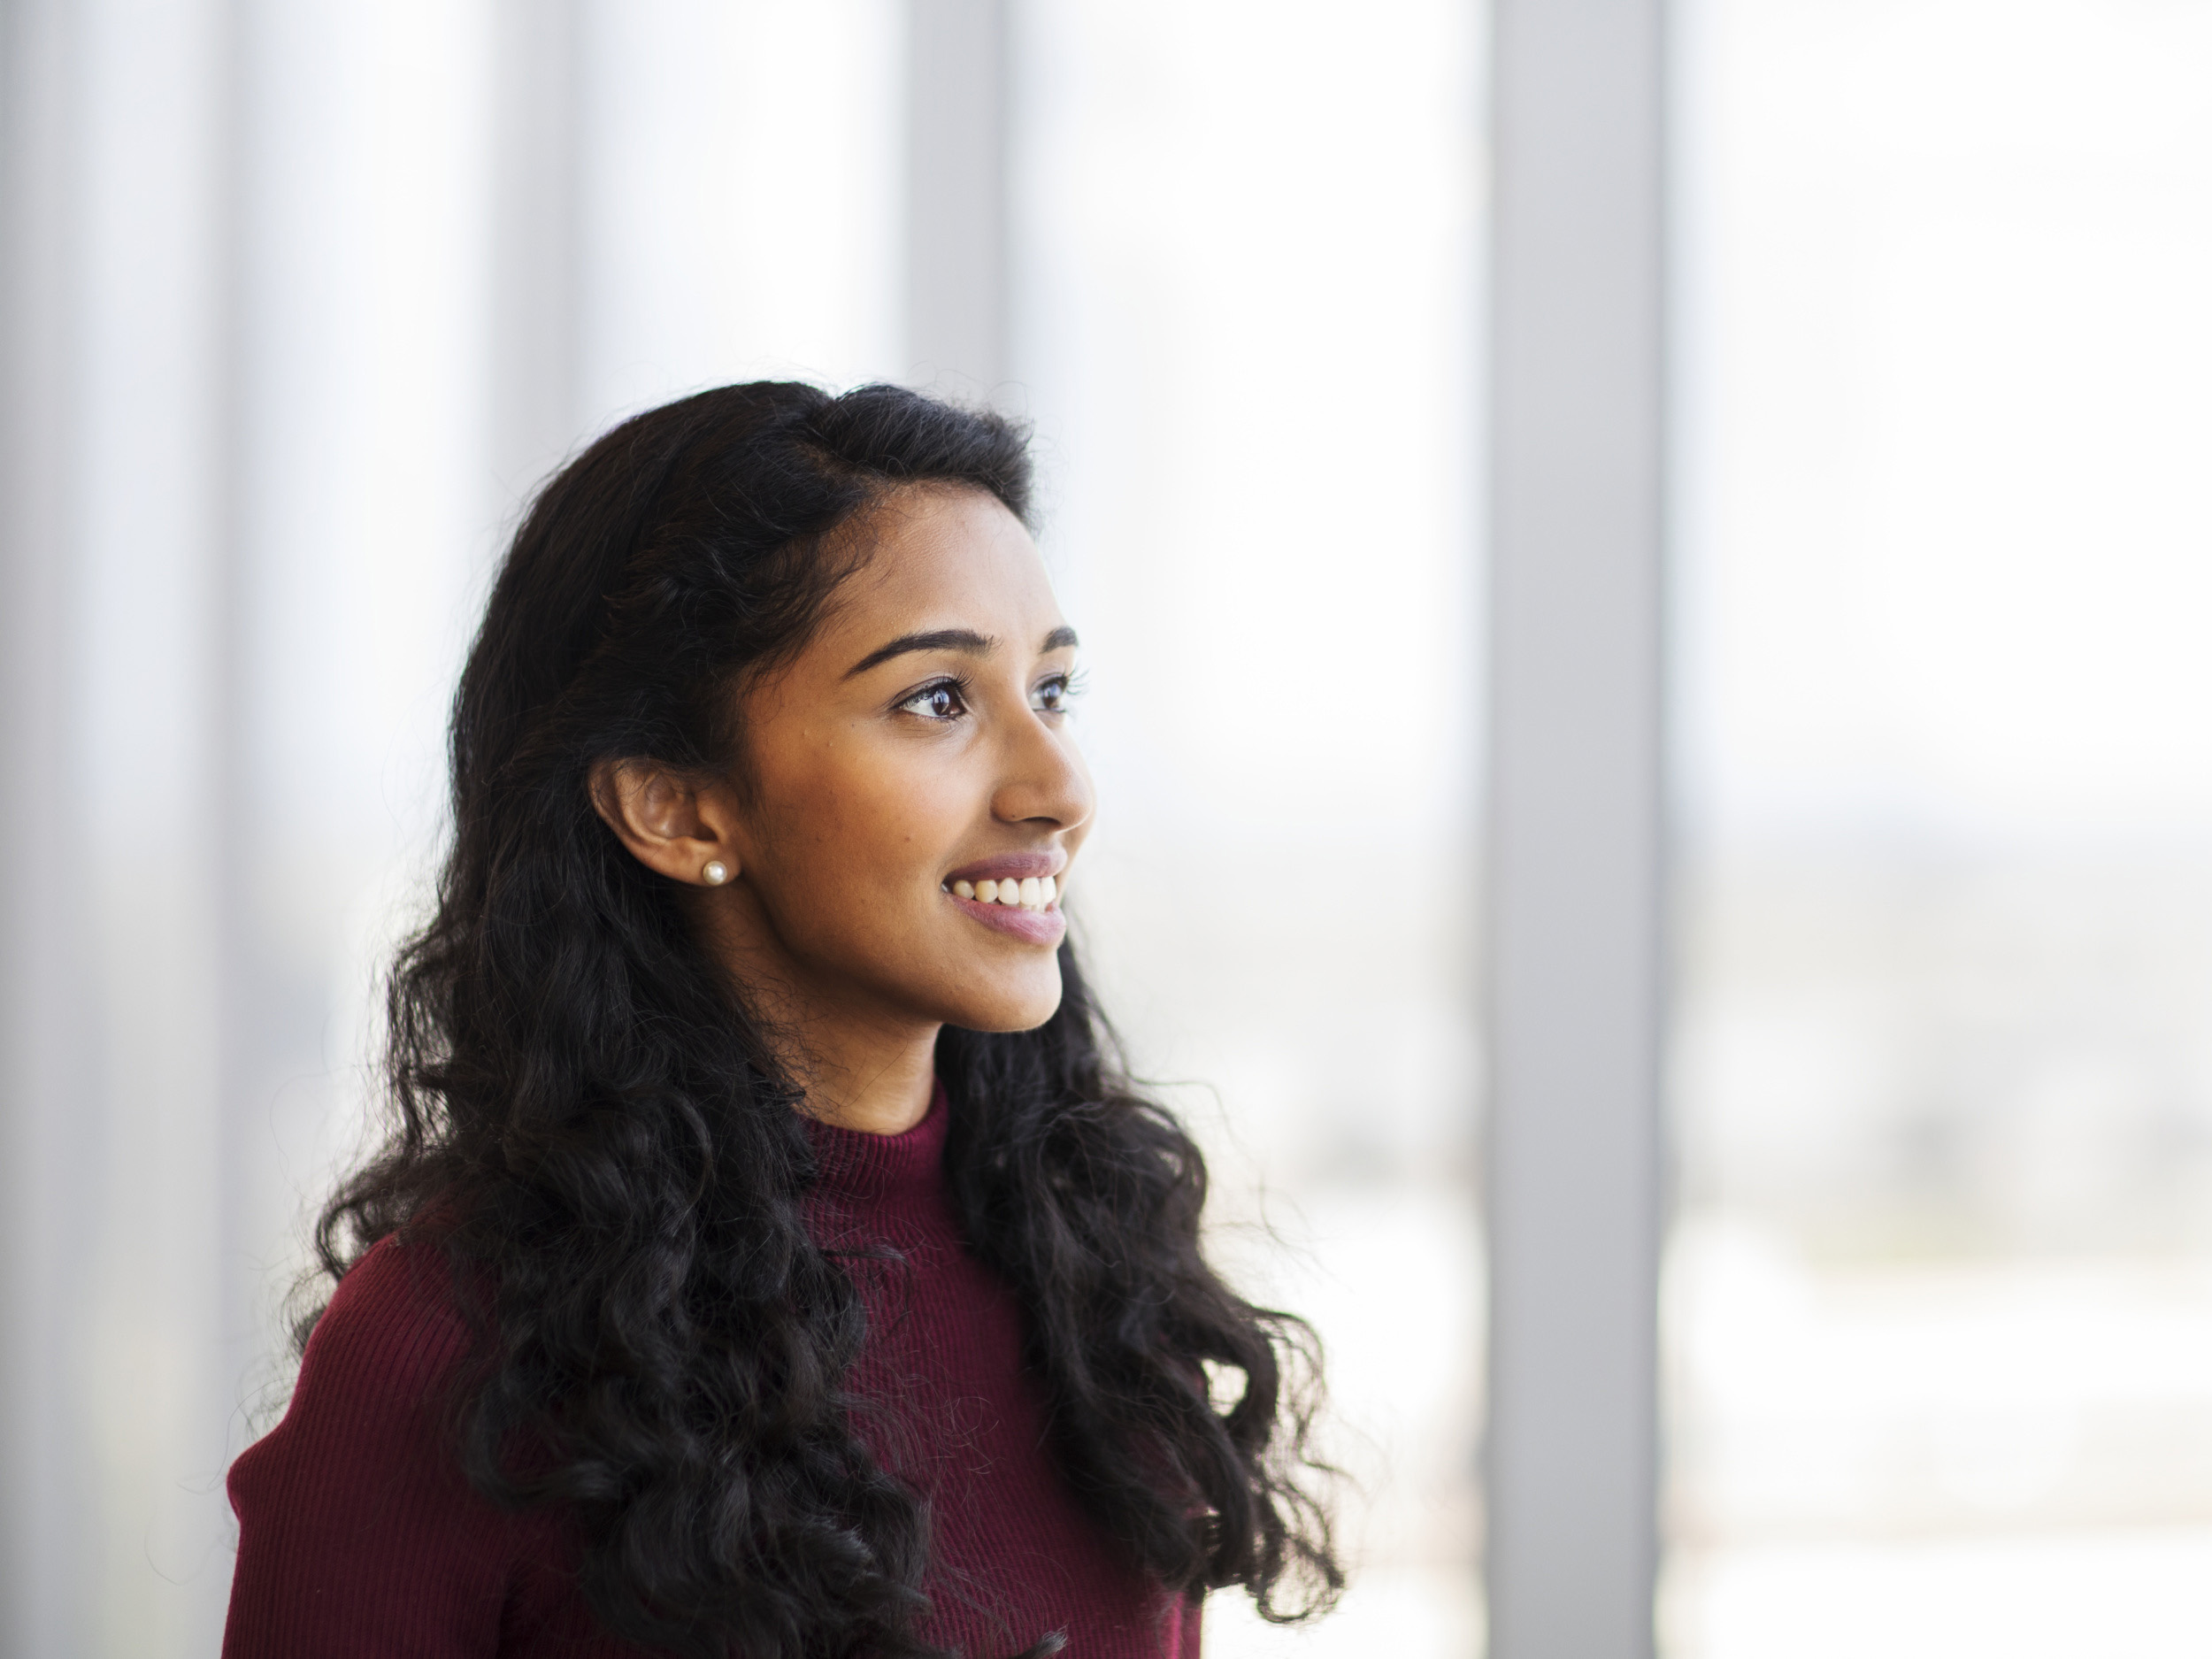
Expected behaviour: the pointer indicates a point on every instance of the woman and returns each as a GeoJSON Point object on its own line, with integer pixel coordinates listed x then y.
{"type": "Point", "coordinates": [767, 1259]}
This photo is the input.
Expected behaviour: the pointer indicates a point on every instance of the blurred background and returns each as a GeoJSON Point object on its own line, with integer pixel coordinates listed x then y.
{"type": "Point", "coordinates": [1939, 1303]}
{"type": "Point", "coordinates": [300, 299]}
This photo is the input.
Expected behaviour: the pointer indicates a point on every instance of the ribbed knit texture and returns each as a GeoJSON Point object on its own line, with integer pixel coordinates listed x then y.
{"type": "Point", "coordinates": [358, 1538]}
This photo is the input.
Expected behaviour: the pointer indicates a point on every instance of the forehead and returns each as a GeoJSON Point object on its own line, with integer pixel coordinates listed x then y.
{"type": "Point", "coordinates": [938, 557]}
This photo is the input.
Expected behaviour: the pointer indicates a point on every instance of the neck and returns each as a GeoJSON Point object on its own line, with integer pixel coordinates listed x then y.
{"type": "Point", "coordinates": [878, 1087]}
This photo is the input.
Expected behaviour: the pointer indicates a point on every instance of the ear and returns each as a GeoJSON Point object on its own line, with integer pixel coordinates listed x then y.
{"type": "Point", "coordinates": [683, 829]}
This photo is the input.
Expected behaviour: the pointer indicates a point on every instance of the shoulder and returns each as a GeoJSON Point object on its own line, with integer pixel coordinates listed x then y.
{"type": "Point", "coordinates": [368, 1409]}
{"type": "Point", "coordinates": [392, 1331]}
{"type": "Point", "coordinates": [357, 1531]}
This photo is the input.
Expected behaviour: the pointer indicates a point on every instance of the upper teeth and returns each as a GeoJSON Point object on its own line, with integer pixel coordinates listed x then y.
{"type": "Point", "coordinates": [1032, 893]}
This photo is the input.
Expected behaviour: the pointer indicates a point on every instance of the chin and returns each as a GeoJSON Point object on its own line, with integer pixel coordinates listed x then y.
{"type": "Point", "coordinates": [1019, 1007]}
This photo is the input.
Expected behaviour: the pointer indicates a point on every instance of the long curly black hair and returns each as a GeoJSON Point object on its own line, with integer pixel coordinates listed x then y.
{"type": "Point", "coordinates": [601, 1139]}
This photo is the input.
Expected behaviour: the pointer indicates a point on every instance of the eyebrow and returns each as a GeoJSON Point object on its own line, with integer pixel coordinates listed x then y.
{"type": "Point", "coordinates": [966, 640]}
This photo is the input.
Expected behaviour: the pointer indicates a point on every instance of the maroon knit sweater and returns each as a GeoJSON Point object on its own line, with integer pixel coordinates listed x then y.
{"type": "Point", "coordinates": [358, 1538]}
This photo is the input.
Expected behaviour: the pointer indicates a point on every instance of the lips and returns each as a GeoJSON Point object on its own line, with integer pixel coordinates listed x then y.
{"type": "Point", "coordinates": [1031, 927]}
{"type": "Point", "coordinates": [1016, 893]}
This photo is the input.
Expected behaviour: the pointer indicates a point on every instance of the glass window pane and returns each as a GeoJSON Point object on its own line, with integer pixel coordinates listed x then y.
{"type": "Point", "coordinates": [1937, 1310]}
{"type": "Point", "coordinates": [1247, 303]}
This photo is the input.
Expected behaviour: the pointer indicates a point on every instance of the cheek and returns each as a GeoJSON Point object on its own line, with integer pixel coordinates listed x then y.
{"type": "Point", "coordinates": [864, 827]}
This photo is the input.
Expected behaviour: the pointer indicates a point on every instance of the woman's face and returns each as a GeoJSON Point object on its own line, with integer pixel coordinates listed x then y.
{"type": "Point", "coordinates": [908, 774]}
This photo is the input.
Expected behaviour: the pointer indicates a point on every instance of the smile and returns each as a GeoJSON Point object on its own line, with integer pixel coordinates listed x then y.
{"type": "Point", "coordinates": [1017, 895]}
{"type": "Point", "coordinates": [1030, 893]}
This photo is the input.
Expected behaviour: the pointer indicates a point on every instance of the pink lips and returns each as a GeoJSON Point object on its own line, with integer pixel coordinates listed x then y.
{"type": "Point", "coordinates": [1031, 927]}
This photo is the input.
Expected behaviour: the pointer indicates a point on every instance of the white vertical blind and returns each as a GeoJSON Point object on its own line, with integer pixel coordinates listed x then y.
{"type": "Point", "coordinates": [1572, 1177]}
{"type": "Point", "coordinates": [958, 167]}
{"type": "Point", "coordinates": [120, 204]}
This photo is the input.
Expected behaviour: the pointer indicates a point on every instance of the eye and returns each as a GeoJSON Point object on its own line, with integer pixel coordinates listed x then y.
{"type": "Point", "coordinates": [941, 700]}
{"type": "Point", "coordinates": [1054, 694]}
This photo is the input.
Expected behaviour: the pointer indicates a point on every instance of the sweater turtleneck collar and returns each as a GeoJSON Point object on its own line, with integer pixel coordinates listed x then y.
{"type": "Point", "coordinates": [859, 1167]}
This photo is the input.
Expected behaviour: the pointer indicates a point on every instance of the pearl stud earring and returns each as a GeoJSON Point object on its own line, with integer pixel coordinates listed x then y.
{"type": "Point", "coordinates": [716, 873]}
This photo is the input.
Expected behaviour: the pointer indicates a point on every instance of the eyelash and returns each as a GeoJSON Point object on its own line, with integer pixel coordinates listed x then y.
{"type": "Point", "coordinates": [1070, 685]}
{"type": "Point", "coordinates": [951, 682]}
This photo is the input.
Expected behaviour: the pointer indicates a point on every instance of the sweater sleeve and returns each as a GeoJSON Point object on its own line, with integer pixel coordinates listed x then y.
{"type": "Point", "coordinates": [358, 1537]}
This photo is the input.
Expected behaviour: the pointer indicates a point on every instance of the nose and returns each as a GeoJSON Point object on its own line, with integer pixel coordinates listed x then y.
{"type": "Point", "coordinates": [1043, 779]}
